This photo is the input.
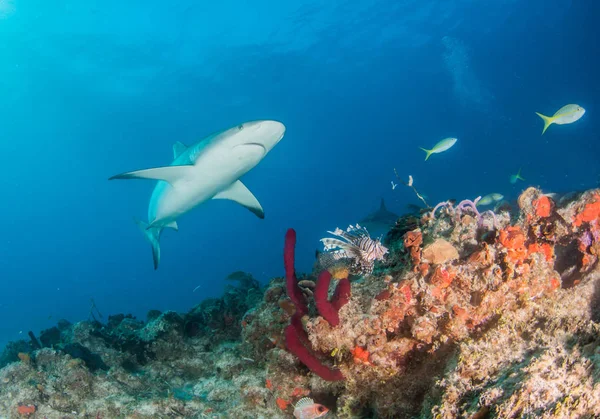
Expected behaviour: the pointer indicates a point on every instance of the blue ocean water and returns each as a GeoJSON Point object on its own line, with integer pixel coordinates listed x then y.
{"type": "Point", "coordinates": [92, 89]}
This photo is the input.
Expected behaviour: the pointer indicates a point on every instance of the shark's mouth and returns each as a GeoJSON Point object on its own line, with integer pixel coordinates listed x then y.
{"type": "Point", "coordinates": [254, 148]}
{"type": "Point", "coordinates": [264, 149]}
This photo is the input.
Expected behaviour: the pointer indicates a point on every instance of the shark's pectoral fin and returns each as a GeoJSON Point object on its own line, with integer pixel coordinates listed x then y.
{"type": "Point", "coordinates": [153, 236]}
{"type": "Point", "coordinates": [178, 149]}
{"type": "Point", "coordinates": [167, 173]}
{"type": "Point", "coordinates": [173, 225]}
{"type": "Point", "coordinates": [238, 192]}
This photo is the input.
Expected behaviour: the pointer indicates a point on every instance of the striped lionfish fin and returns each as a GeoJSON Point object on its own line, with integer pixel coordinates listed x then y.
{"type": "Point", "coordinates": [339, 254]}
{"type": "Point", "coordinates": [330, 244]}
{"type": "Point", "coordinates": [341, 233]}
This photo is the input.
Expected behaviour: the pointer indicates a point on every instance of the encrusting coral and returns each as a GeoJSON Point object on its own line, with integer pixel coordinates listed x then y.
{"type": "Point", "coordinates": [481, 315]}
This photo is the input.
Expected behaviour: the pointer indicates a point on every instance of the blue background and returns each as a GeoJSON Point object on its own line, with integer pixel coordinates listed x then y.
{"type": "Point", "coordinates": [91, 89]}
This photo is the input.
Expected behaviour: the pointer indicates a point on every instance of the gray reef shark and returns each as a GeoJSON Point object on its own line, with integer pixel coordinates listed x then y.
{"type": "Point", "coordinates": [380, 221]}
{"type": "Point", "coordinates": [209, 169]}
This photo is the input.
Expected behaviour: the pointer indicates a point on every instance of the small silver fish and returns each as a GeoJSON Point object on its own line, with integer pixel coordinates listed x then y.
{"type": "Point", "coordinates": [565, 115]}
{"type": "Point", "coordinates": [440, 147]}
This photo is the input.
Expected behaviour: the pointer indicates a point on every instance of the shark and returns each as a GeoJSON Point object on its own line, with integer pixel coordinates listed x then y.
{"type": "Point", "coordinates": [209, 169]}
{"type": "Point", "coordinates": [380, 221]}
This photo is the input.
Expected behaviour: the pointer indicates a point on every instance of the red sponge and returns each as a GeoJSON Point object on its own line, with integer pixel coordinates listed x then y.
{"type": "Point", "coordinates": [329, 309]}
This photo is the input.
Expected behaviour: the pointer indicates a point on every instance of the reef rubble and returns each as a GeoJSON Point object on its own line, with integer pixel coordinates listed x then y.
{"type": "Point", "coordinates": [480, 315]}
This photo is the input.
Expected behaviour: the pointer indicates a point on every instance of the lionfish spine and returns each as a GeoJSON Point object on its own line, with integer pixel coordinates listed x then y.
{"type": "Point", "coordinates": [330, 244]}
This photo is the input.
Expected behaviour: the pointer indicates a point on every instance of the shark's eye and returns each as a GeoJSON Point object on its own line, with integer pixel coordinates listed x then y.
{"type": "Point", "coordinates": [240, 127]}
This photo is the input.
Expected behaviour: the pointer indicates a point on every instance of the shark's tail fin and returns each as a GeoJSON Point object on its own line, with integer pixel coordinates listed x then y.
{"type": "Point", "coordinates": [153, 236]}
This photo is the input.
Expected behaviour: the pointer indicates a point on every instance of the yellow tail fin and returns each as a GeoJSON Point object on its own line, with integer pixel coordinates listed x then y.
{"type": "Point", "coordinates": [547, 121]}
{"type": "Point", "coordinates": [426, 151]}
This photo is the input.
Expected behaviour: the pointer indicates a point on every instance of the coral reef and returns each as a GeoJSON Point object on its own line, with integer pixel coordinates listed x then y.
{"type": "Point", "coordinates": [481, 315]}
{"type": "Point", "coordinates": [457, 279]}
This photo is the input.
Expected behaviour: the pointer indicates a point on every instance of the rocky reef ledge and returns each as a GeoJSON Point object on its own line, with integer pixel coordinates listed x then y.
{"type": "Point", "coordinates": [491, 314]}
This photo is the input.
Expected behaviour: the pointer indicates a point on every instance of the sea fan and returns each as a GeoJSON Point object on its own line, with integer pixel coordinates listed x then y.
{"type": "Point", "coordinates": [355, 244]}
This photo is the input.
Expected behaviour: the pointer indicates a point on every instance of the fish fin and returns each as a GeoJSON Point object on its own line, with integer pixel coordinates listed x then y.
{"type": "Point", "coordinates": [426, 151]}
{"type": "Point", "coordinates": [152, 234]}
{"type": "Point", "coordinates": [303, 402]}
{"type": "Point", "coordinates": [239, 193]}
{"type": "Point", "coordinates": [178, 149]}
{"type": "Point", "coordinates": [519, 174]}
{"type": "Point", "coordinates": [173, 225]}
{"type": "Point", "coordinates": [169, 174]}
{"type": "Point", "coordinates": [547, 121]}
{"type": "Point", "coordinates": [329, 243]}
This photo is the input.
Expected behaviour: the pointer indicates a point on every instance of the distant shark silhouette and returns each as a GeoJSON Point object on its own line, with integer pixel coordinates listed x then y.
{"type": "Point", "coordinates": [380, 221]}
{"type": "Point", "coordinates": [210, 169]}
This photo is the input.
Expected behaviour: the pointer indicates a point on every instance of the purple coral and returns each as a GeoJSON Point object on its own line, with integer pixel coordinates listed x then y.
{"type": "Point", "coordinates": [490, 212]}
{"type": "Point", "coordinates": [464, 206]}
{"type": "Point", "coordinates": [468, 204]}
{"type": "Point", "coordinates": [440, 205]}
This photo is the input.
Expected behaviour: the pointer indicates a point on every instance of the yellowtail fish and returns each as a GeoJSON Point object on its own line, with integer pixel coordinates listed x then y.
{"type": "Point", "coordinates": [440, 147]}
{"type": "Point", "coordinates": [514, 178]}
{"type": "Point", "coordinates": [490, 199]}
{"type": "Point", "coordinates": [306, 408]}
{"type": "Point", "coordinates": [565, 115]}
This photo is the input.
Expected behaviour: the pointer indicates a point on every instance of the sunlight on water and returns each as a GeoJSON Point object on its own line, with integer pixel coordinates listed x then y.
{"type": "Point", "coordinates": [7, 7]}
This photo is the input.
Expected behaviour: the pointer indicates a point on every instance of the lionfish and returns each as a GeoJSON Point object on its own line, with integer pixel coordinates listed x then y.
{"type": "Point", "coordinates": [355, 244]}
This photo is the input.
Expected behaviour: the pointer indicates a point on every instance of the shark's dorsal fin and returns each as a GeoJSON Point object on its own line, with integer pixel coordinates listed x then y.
{"type": "Point", "coordinates": [169, 174]}
{"type": "Point", "coordinates": [238, 192]}
{"type": "Point", "coordinates": [178, 149]}
{"type": "Point", "coordinates": [382, 206]}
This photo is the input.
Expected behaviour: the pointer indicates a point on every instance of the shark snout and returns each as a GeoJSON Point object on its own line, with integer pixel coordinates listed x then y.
{"type": "Point", "coordinates": [276, 127]}
{"type": "Point", "coordinates": [269, 132]}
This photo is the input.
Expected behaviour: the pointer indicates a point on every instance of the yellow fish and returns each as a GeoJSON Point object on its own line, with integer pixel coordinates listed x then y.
{"type": "Point", "coordinates": [443, 145]}
{"type": "Point", "coordinates": [490, 199]}
{"type": "Point", "coordinates": [515, 178]}
{"type": "Point", "coordinates": [565, 115]}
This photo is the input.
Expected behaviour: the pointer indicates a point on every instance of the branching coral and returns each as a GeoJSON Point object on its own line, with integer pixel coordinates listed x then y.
{"type": "Point", "coordinates": [463, 208]}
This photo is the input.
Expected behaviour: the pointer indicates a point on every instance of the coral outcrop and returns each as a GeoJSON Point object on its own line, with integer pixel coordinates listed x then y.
{"type": "Point", "coordinates": [482, 315]}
